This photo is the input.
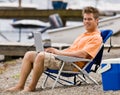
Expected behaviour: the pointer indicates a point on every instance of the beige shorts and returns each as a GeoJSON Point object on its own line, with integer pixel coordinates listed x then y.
{"type": "Point", "coordinates": [52, 63]}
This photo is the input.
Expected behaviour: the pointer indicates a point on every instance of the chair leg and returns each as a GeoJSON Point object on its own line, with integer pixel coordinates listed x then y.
{"type": "Point", "coordinates": [83, 79]}
{"type": "Point", "coordinates": [58, 75]}
{"type": "Point", "coordinates": [86, 74]}
{"type": "Point", "coordinates": [44, 82]}
{"type": "Point", "coordinates": [89, 77]}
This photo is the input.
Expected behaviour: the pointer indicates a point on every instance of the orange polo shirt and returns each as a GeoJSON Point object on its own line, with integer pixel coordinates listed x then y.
{"type": "Point", "coordinates": [88, 42]}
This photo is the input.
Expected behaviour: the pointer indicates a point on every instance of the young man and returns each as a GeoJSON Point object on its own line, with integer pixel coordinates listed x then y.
{"type": "Point", "coordinates": [85, 46]}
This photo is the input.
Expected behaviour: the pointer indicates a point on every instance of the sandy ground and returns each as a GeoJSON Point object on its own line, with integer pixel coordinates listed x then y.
{"type": "Point", "coordinates": [9, 76]}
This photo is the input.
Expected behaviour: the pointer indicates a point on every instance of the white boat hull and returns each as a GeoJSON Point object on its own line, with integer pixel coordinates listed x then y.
{"type": "Point", "coordinates": [68, 34]}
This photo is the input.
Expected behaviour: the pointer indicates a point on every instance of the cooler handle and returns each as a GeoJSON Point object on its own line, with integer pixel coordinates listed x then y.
{"type": "Point", "coordinates": [105, 68]}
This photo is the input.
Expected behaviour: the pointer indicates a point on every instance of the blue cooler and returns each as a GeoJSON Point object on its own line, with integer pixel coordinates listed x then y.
{"type": "Point", "coordinates": [110, 71]}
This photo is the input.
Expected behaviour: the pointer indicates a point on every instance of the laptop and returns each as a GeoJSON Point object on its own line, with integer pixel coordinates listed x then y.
{"type": "Point", "coordinates": [38, 41]}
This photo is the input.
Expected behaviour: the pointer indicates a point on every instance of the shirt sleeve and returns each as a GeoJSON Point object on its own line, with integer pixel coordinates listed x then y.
{"type": "Point", "coordinates": [93, 45]}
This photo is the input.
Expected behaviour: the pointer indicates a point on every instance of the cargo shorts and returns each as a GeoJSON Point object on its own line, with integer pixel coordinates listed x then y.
{"type": "Point", "coordinates": [52, 63]}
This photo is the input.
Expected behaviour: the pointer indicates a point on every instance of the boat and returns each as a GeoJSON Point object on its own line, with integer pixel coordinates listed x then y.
{"type": "Point", "coordinates": [29, 23]}
{"type": "Point", "coordinates": [69, 33]}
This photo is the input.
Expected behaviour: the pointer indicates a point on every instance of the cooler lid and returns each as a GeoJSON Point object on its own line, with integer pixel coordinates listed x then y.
{"type": "Point", "coordinates": [111, 61]}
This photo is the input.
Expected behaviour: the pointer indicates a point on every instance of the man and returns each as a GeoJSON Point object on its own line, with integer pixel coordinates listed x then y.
{"type": "Point", "coordinates": [85, 46]}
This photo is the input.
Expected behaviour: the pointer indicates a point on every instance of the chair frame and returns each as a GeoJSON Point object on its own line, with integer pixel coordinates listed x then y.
{"type": "Point", "coordinates": [77, 74]}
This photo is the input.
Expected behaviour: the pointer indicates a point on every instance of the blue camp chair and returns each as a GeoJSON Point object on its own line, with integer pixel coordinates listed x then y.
{"type": "Point", "coordinates": [83, 73]}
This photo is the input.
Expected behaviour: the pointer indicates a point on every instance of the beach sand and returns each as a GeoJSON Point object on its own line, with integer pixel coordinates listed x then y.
{"type": "Point", "coordinates": [10, 76]}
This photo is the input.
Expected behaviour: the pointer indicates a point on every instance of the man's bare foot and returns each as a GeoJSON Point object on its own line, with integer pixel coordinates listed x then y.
{"type": "Point", "coordinates": [28, 89]}
{"type": "Point", "coordinates": [13, 89]}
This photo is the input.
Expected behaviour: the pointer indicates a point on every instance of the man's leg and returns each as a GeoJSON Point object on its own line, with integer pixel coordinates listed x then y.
{"type": "Point", "coordinates": [38, 69]}
{"type": "Point", "coordinates": [27, 65]}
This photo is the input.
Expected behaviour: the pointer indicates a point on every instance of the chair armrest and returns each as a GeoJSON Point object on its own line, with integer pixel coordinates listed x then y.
{"type": "Point", "coordinates": [71, 59]}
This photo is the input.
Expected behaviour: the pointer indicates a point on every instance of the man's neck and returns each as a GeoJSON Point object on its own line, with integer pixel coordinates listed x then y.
{"type": "Point", "coordinates": [92, 30]}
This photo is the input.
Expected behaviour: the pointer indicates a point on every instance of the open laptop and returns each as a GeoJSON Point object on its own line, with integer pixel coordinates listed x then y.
{"type": "Point", "coordinates": [38, 41]}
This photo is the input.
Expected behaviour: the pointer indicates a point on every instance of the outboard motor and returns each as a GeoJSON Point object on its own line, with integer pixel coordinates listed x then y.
{"type": "Point", "coordinates": [55, 22]}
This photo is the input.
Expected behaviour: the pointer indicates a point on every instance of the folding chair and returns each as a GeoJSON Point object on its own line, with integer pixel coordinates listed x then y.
{"type": "Point", "coordinates": [82, 74]}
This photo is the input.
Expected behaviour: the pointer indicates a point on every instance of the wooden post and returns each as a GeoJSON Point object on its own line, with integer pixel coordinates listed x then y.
{"type": "Point", "coordinates": [20, 4]}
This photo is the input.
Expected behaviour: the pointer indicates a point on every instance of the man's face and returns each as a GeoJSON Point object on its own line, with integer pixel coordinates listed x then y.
{"type": "Point", "coordinates": [89, 21]}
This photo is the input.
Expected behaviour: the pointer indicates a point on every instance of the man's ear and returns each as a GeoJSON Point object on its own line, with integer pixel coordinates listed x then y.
{"type": "Point", "coordinates": [97, 20]}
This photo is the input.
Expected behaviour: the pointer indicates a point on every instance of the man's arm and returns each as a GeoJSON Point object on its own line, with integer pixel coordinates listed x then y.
{"type": "Point", "coordinates": [79, 53]}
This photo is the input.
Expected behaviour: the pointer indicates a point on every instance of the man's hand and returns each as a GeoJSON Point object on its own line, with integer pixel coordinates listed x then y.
{"type": "Point", "coordinates": [52, 50]}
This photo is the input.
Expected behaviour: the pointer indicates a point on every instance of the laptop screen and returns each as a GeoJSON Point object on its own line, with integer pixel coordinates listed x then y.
{"type": "Point", "coordinates": [38, 41]}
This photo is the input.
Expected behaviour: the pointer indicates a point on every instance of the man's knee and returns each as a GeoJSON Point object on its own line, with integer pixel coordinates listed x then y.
{"type": "Point", "coordinates": [39, 60]}
{"type": "Point", "coordinates": [30, 54]}
{"type": "Point", "coordinates": [41, 56]}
